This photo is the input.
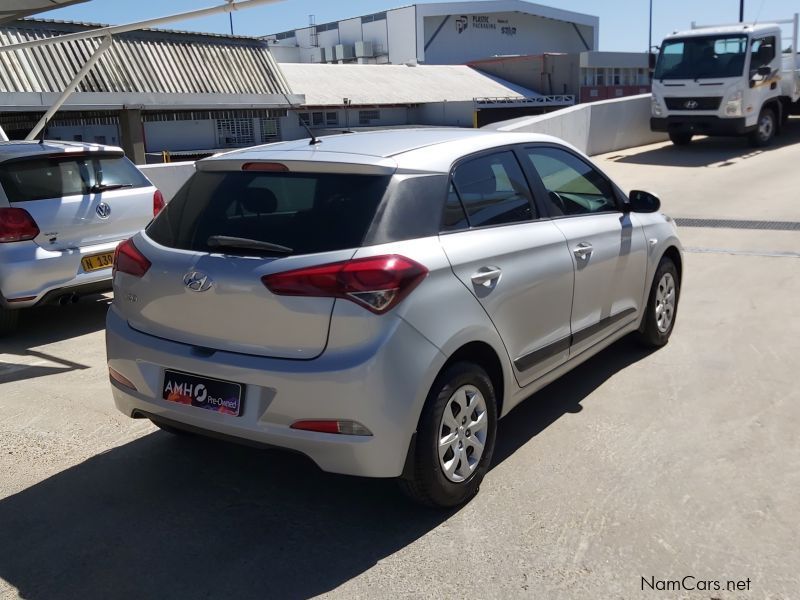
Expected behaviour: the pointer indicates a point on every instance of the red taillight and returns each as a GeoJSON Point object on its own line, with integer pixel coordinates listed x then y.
{"type": "Point", "coordinates": [115, 375]}
{"type": "Point", "coordinates": [158, 202]}
{"type": "Point", "coordinates": [378, 283]}
{"type": "Point", "coordinates": [128, 259]}
{"type": "Point", "coordinates": [330, 426]}
{"type": "Point", "coordinates": [17, 225]}
{"type": "Point", "coordinates": [265, 166]}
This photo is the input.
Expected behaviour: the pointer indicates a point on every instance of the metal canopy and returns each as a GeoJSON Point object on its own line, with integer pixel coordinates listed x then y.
{"type": "Point", "coordinates": [11, 10]}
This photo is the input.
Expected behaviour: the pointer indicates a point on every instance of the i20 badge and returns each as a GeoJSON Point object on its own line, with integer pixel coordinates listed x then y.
{"type": "Point", "coordinates": [197, 281]}
{"type": "Point", "coordinates": [103, 210]}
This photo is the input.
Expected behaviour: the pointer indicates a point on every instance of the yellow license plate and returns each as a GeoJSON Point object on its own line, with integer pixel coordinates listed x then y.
{"type": "Point", "coordinates": [95, 262]}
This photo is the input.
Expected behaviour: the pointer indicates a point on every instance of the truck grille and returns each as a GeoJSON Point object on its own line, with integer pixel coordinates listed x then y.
{"type": "Point", "coordinates": [707, 103]}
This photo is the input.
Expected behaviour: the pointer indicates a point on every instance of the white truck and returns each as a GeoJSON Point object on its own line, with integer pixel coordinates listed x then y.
{"type": "Point", "coordinates": [730, 80]}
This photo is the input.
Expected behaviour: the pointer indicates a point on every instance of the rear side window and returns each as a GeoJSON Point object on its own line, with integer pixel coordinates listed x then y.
{"type": "Point", "coordinates": [492, 190]}
{"type": "Point", "coordinates": [306, 212]}
{"type": "Point", "coordinates": [58, 176]}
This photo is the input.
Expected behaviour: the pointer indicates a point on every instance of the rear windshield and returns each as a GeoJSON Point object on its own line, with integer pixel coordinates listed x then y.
{"type": "Point", "coordinates": [304, 212]}
{"type": "Point", "coordinates": [59, 176]}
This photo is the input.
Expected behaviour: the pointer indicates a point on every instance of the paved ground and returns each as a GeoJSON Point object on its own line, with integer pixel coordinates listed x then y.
{"type": "Point", "coordinates": [683, 462]}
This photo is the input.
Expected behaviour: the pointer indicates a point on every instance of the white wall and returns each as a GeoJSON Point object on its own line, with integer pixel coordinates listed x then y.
{"type": "Point", "coordinates": [476, 36]}
{"type": "Point", "coordinates": [180, 135]}
{"type": "Point", "coordinates": [450, 114]}
{"type": "Point", "coordinates": [88, 133]}
{"type": "Point", "coordinates": [402, 41]}
{"type": "Point", "coordinates": [594, 128]}
{"type": "Point", "coordinates": [168, 177]}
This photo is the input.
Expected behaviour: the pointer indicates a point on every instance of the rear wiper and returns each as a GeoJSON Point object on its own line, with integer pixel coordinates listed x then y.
{"type": "Point", "coordinates": [104, 187]}
{"type": "Point", "coordinates": [225, 241]}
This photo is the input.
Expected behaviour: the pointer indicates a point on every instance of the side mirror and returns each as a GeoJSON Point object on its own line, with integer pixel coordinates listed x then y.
{"type": "Point", "coordinates": [764, 71]}
{"type": "Point", "coordinates": [643, 202]}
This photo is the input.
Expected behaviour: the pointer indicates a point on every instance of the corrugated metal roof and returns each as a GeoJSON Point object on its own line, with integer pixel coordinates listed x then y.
{"type": "Point", "coordinates": [148, 61]}
{"type": "Point", "coordinates": [327, 85]}
{"type": "Point", "coordinates": [16, 9]}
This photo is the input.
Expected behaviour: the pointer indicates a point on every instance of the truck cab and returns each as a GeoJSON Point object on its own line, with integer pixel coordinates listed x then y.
{"type": "Point", "coordinates": [725, 80]}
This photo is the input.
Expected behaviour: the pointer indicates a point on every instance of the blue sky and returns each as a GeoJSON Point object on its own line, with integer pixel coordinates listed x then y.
{"type": "Point", "coordinates": [623, 23]}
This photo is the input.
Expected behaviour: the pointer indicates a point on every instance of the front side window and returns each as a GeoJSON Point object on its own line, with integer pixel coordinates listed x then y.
{"type": "Point", "coordinates": [762, 52]}
{"type": "Point", "coordinates": [493, 190]}
{"type": "Point", "coordinates": [573, 187]}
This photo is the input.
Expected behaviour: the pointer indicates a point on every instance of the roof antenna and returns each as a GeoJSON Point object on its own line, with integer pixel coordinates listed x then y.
{"type": "Point", "coordinates": [44, 129]}
{"type": "Point", "coordinates": [314, 141]}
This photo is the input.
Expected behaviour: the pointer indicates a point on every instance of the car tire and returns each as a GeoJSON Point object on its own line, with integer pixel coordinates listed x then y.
{"type": "Point", "coordinates": [461, 406]}
{"type": "Point", "coordinates": [681, 139]}
{"type": "Point", "coordinates": [170, 429]}
{"type": "Point", "coordinates": [662, 306]}
{"type": "Point", "coordinates": [765, 129]}
{"type": "Point", "coordinates": [9, 319]}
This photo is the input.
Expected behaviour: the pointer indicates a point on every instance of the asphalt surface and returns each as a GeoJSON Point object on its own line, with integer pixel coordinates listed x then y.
{"type": "Point", "coordinates": [683, 462]}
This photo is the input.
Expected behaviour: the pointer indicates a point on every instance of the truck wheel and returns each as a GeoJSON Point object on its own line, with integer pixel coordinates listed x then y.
{"type": "Point", "coordinates": [455, 438]}
{"type": "Point", "coordinates": [765, 129]}
{"type": "Point", "coordinates": [8, 321]}
{"type": "Point", "coordinates": [680, 139]}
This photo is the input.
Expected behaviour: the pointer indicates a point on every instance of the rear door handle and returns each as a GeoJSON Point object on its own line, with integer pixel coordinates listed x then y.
{"type": "Point", "coordinates": [486, 275]}
{"type": "Point", "coordinates": [583, 250]}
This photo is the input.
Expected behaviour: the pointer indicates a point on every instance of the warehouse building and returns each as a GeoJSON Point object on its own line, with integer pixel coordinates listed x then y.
{"type": "Point", "coordinates": [152, 90]}
{"type": "Point", "coordinates": [440, 33]}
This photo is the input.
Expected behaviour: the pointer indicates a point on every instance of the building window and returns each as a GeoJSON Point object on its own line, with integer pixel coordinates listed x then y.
{"type": "Point", "coordinates": [315, 119]}
{"type": "Point", "coordinates": [270, 130]}
{"type": "Point", "coordinates": [365, 117]}
{"type": "Point", "coordinates": [381, 16]}
{"type": "Point", "coordinates": [332, 119]}
{"type": "Point", "coordinates": [235, 132]}
{"type": "Point", "coordinates": [617, 77]}
{"type": "Point", "coordinates": [600, 77]}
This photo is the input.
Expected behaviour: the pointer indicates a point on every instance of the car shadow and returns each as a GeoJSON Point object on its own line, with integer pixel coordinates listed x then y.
{"type": "Point", "coordinates": [710, 151]}
{"type": "Point", "coordinates": [45, 325]}
{"type": "Point", "coordinates": [188, 517]}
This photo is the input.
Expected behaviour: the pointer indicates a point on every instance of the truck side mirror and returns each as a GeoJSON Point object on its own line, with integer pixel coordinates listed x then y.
{"type": "Point", "coordinates": [764, 71]}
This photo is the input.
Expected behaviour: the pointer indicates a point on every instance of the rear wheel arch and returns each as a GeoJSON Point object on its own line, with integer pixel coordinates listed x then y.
{"type": "Point", "coordinates": [485, 356]}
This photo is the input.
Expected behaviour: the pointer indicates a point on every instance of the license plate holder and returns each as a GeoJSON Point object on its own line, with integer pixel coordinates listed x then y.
{"type": "Point", "coordinates": [216, 395]}
{"type": "Point", "coordinates": [97, 262]}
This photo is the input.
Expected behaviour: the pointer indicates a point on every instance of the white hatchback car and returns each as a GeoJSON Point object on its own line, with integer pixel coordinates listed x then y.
{"type": "Point", "coordinates": [377, 301]}
{"type": "Point", "coordinates": [64, 207]}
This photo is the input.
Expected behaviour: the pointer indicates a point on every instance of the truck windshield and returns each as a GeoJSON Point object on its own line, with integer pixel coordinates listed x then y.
{"type": "Point", "coordinates": [706, 57]}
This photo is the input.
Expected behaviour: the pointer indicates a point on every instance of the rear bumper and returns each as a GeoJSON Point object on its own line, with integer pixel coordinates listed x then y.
{"type": "Point", "coordinates": [701, 125]}
{"type": "Point", "coordinates": [383, 390]}
{"type": "Point", "coordinates": [31, 275]}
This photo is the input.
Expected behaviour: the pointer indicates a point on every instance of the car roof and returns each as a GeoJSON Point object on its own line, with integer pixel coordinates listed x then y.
{"type": "Point", "coordinates": [430, 149]}
{"type": "Point", "coordinates": [22, 149]}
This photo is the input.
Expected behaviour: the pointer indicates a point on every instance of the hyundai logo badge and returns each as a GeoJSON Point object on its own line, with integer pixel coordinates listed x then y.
{"type": "Point", "coordinates": [691, 104]}
{"type": "Point", "coordinates": [103, 210]}
{"type": "Point", "coordinates": [197, 281]}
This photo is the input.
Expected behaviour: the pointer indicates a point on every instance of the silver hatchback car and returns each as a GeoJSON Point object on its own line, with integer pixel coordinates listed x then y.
{"type": "Point", "coordinates": [377, 301]}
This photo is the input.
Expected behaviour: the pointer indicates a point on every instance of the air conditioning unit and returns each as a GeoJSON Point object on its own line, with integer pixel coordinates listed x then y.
{"type": "Point", "coordinates": [328, 54]}
{"type": "Point", "coordinates": [345, 52]}
{"type": "Point", "coordinates": [365, 50]}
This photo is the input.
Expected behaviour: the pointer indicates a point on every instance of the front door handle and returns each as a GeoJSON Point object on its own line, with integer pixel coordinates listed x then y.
{"type": "Point", "coordinates": [583, 251]}
{"type": "Point", "coordinates": [486, 275]}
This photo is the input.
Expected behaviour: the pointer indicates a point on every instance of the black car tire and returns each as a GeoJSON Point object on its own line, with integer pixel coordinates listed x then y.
{"type": "Point", "coordinates": [9, 319]}
{"type": "Point", "coordinates": [426, 483]}
{"type": "Point", "coordinates": [681, 139]}
{"type": "Point", "coordinates": [650, 333]}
